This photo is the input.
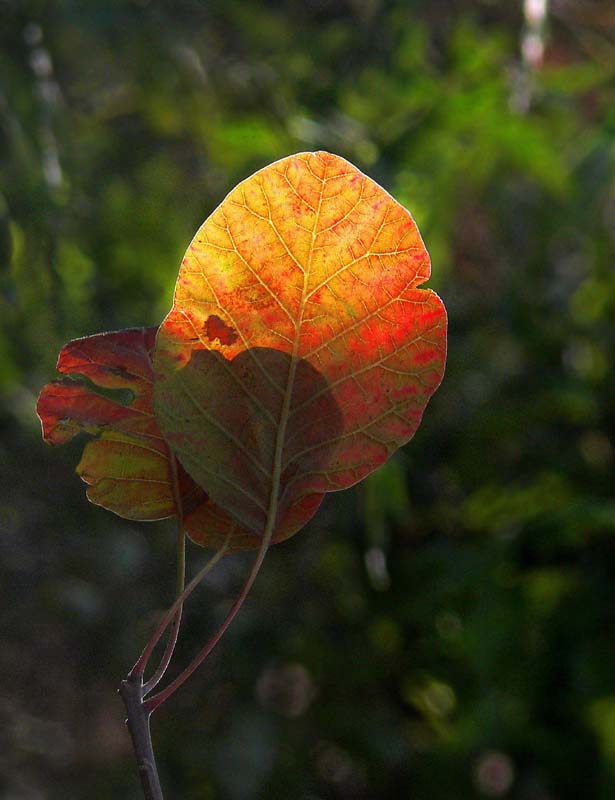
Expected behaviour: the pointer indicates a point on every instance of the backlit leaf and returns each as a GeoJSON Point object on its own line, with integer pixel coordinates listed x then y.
{"type": "Point", "coordinates": [110, 396]}
{"type": "Point", "coordinates": [299, 353]}
{"type": "Point", "coordinates": [126, 466]}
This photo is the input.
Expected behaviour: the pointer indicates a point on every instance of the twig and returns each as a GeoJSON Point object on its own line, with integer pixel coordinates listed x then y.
{"type": "Point", "coordinates": [131, 691]}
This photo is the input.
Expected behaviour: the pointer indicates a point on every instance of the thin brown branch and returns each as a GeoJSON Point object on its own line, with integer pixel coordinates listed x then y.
{"type": "Point", "coordinates": [138, 725]}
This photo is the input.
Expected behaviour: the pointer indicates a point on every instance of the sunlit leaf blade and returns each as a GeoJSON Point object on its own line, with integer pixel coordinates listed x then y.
{"type": "Point", "coordinates": [299, 353]}
{"type": "Point", "coordinates": [127, 466]}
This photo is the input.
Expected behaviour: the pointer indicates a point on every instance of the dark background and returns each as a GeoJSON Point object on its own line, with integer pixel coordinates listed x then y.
{"type": "Point", "coordinates": [444, 630]}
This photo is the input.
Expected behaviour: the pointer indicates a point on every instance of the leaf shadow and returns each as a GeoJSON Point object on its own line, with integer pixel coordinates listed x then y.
{"type": "Point", "coordinates": [255, 431]}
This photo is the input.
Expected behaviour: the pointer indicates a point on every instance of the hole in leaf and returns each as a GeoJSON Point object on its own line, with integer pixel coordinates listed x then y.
{"type": "Point", "coordinates": [122, 396]}
{"type": "Point", "coordinates": [216, 328]}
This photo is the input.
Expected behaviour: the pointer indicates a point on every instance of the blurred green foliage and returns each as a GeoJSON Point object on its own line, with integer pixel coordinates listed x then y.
{"type": "Point", "coordinates": [447, 629]}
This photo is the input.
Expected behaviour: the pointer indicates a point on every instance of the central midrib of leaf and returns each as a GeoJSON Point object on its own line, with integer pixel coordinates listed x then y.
{"type": "Point", "coordinates": [290, 381]}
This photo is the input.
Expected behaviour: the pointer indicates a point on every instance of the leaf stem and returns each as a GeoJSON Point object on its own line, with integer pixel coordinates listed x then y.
{"type": "Point", "coordinates": [153, 702]}
{"type": "Point", "coordinates": [172, 640]}
{"type": "Point", "coordinates": [180, 575]}
{"type": "Point", "coordinates": [139, 667]}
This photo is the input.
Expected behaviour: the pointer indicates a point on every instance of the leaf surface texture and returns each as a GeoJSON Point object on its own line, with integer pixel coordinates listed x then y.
{"type": "Point", "coordinates": [300, 352]}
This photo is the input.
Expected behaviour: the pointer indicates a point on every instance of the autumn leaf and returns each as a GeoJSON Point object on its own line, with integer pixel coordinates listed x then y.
{"type": "Point", "coordinates": [299, 353]}
{"type": "Point", "coordinates": [110, 396]}
{"type": "Point", "coordinates": [127, 466]}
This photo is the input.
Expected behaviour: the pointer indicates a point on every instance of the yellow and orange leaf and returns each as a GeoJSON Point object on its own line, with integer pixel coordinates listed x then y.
{"type": "Point", "coordinates": [300, 352]}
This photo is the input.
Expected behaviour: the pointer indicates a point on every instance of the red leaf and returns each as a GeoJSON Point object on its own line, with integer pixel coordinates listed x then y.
{"type": "Point", "coordinates": [126, 467]}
